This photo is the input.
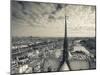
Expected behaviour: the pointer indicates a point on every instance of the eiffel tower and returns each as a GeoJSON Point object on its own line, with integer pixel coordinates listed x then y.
{"type": "Point", "coordinates": [65, 61]}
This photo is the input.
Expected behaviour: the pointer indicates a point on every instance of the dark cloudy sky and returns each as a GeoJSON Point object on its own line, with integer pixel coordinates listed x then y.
{"type": "Point", "coordinates": [47, 19]}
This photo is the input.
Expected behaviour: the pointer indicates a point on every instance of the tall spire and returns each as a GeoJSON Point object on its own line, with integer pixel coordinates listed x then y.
{"type": "Point", "coordinates": [65, 37]}
{"type": "Point", "coordinates": [65, 49]}
{"type": "Point", "coordinates": [66, 54]}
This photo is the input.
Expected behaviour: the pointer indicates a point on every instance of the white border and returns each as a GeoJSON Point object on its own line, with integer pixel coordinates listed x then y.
{"type": "Point", "coordinates": [5, 36]}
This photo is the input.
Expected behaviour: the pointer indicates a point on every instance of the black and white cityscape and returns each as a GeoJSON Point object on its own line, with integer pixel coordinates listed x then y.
{"type": "Point", "coordinates": [52, 37]}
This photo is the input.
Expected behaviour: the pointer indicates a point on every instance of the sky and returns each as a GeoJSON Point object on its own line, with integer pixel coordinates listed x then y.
{"type": "Point", "coordinates": [48, 19]}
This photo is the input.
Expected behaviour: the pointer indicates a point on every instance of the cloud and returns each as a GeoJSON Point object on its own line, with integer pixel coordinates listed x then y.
{"type": "Point", "coordinates": [47, 19]}
{"type": "Point", "coordinates": [28, 12]}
